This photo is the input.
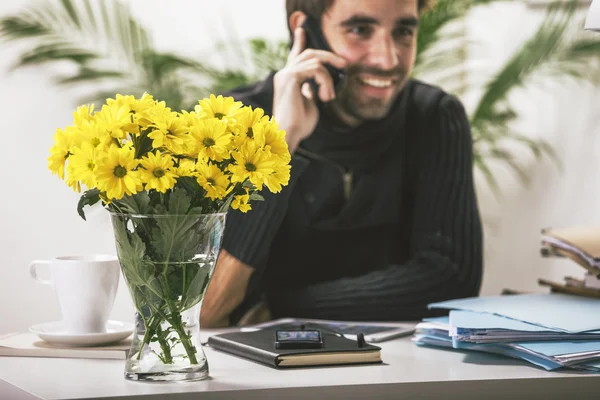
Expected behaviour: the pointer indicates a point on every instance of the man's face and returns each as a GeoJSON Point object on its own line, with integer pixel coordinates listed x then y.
{"type": "Point", "coordinates": [378, 38]}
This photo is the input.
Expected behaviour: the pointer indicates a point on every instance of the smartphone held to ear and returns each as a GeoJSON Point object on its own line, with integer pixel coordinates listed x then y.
{"type": "Point", "coordinates": [316, 40]}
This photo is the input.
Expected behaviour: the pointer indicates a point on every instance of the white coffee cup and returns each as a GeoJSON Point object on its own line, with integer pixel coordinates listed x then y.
{"type": "Point", "coordinates": [86, 287]}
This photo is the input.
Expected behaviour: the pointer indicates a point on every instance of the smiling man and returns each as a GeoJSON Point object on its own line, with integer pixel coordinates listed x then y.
{"type": "Point", "coordinates": [380, 217]}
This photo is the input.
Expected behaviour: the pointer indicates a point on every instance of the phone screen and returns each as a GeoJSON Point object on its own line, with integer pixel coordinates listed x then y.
{"type": "Point", "coordinates": [298, 339]}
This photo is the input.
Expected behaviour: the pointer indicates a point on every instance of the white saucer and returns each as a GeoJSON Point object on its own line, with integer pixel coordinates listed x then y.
{"type": "Point", "coordinates": [55, 333]}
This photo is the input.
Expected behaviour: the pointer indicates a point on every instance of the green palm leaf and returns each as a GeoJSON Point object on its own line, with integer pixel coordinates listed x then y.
{"type": "Point", "coordinates": [549, 50]}
{"type": "Point", "coordinates": [106, 44]}
{"type": "Point", "coordinates": [536, 52]}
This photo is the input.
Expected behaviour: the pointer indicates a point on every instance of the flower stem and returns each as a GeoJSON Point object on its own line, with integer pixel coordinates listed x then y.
{"type": "Point", "coordinates": [164, 345]}
{"type": "Point", "coordinates": [157, 316]}
{"type": "Point", "coordinates": [150, 326]}
{"type": "Point", "coordinates": [177, 324]}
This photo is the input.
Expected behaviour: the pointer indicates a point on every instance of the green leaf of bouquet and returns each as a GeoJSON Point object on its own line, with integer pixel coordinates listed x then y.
{"type": "Point", "coordinates": [179, 202]}
{"type": "Point", "coordinates": [136, 268]}
{"type": "Point", "coordinates": [197, 277]}
{"type": "Point", "coordinates": [142, 203]}
{"type": "Point", "coordinates": [138, 204]}
{"type": "Point", "coordinates": [226, 204]}
{"type": "Point", "coordinates": [175, 237]}
{"type": "Point", "coordinates": [256, 197]}
{"type": "Point", "coordinates": [88, 198]}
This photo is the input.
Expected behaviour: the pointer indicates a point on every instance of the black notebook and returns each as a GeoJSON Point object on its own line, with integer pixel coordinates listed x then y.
{"type": "Point", "coordinates": [260, 346]}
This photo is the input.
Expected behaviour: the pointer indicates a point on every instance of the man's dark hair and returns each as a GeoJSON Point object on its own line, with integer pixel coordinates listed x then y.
{"type": "Point", "coordinates": [316, 8]}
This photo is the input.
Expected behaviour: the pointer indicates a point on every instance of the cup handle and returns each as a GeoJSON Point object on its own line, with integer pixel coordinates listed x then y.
{"type": "Point", "coordinates": [33, 271]}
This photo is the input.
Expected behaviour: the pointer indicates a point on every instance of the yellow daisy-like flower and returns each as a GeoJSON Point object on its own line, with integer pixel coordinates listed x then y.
{"type": "Point", "coordinates": [157, 172]}
{"type": "Point", "coordinates": [219, 107]}
{"type": "Point", "coordinates": [186, 167]}
{"type": "Point", "coordinates": [116, 121]}
{"type": "Point", "coordinates": [251, 163]}
{"type": "Point", "coordinates": [141, 110]}
{"type": "Point", "coordinates": [241, 202]}
{"type": "Point", "coordinates": [144, 108]}
{"type": "Point", "coordinates": [212, 139]}
{"type": "Point", "coordinates": [82, 164]}
{"type": "Point", "coordinates": [83, 114]}
{"type": "Point", "coordinates": [116, 175]}
{"type": "Point", "coordinates": [279, 178]}
{"type": "Point", "coordinates": [189, 118]}
{"type": "Point", "coordinates": [170, 132]}
{"type": "Point", "coordinates": [247, 122]}
{"type": "Point", "coordinates": [60, 152]}
{"type": "Point", "coordinates": [120, 101]}
{"type": "Point", "coordinates": [73, 184]}
{"type": "Point", "coordinates": [92, 133]}
{"type": "Point", "coordinates": [213, 180]}
{"type": "Point", "coordinates": [275, 143]}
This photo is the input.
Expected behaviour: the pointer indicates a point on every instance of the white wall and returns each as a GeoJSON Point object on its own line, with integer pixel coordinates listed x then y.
{"type": "Point", "coordinates": [38, 219]}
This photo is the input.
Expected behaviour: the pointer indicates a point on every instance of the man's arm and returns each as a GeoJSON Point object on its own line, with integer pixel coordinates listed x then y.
{"type": "Point", "coordinates": [226, 291]}
{"type": "Point", "coordinates": [446, 242]}
{"type": "Point", "coordinates": [246, 243]}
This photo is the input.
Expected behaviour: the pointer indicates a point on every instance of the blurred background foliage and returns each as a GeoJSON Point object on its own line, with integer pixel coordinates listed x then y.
{"type": "Point", "coordinates": [109, 52]}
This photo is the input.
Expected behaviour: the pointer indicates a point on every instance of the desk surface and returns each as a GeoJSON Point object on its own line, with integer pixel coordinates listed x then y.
{"type": "Point", "coordinates": [408, 371]}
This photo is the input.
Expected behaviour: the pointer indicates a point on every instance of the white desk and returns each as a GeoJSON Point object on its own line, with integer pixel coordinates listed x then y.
{"type": "Point", "coordinates": [408, 372]}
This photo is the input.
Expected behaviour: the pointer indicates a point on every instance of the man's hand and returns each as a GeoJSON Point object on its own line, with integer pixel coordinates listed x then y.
{"type": "Point", "coordinates": [225, 292]}
{"type": "Point", "coordinates": [293, 105]}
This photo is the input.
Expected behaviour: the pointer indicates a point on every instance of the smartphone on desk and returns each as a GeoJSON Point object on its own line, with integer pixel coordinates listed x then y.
{"type": "Point", "coordinates": [316, 40]}
{"type": "Point", "coordinates": [373, 332]}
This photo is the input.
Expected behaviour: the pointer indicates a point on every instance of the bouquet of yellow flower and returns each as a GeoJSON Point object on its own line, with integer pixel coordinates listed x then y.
{"type": "Point", "coordinates": [221, 153]}
{"type": "Point", "coordinates": [168, 178]}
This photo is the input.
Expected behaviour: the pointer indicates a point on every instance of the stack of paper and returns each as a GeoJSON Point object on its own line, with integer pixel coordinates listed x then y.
{"type": "Point", "coordinates": [549, 330]}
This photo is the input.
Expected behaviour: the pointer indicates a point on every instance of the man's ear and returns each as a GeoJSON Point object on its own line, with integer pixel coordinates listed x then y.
{"type": "Point", "coordinates": [297, 18]}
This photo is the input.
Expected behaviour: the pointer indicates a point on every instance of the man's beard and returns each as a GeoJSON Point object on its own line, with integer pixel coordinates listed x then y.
{"type": "Point", "coordinates": [351, 101]}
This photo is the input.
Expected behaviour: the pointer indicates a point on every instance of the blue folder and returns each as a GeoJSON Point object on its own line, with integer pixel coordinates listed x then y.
{"type": "Point", "coordinates": [550, 355]}
{"type": "Point", "coordinates": [476, 327]}
{"type": "Point", "coordinates": [560, 312]}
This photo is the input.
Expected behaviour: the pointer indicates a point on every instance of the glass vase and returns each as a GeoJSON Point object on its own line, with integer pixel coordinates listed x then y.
{"type": "Point", "coordinates": [167, 262]}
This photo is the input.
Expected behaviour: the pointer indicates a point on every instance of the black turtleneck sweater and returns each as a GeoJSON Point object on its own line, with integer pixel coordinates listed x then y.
{"type": "Point", "coordinates": [377, 221]}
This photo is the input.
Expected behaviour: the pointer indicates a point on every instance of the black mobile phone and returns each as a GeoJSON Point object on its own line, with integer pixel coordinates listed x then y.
{"type": "Point", "coordinates": [298, 339]}
{"type": "Point", "coordinates": [316, 40]}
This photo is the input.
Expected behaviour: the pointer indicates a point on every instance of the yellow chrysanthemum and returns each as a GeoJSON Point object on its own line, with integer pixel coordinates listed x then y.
{"type": "Point", "coordinates": [275, 143]}
{"type": "Point", "coordinates": [92, 133]}
{"type": "Point", "coordinates": [82, 164]}
{"type": "Point", "coordinates": [219, 107]}
{"type": "Point", "coordinates": [141, 109]}
{"type": "Point", "coordinates": [241, 202]}
{"type": "Point", "coordinates": [144, 108]}
{"type": "Point", "coordinates": [189, 118]}
{"type": "Point", "coordinates": [247, 121]}
{"type": "Point", "coordinates": [120, 101]}
{"type": "Point", "coordinates": [186, 167]}
{"type": "Point", "coordinates": [83, 114]}
{"type": "Point", "coordinates": [116, 175]}
{"type": "Point", "coordinates": [60, 152]}
{"type": "Point", "coordinates": [170, 132]}
{"type": "Point", "coordinates": [279, 178]}
{"type": "Point", "coordinates": [251, 163]}
{"type": "Point", "coordinates": [213, 180]}
{"type": "Point", "coordinates": [116, 121]}
{"type": "Point", "coordinates": [73, 184]}
{"type": "Point", "coordinates": [157, 172]}
{"type": "Point", "coordinates": [212, 139]}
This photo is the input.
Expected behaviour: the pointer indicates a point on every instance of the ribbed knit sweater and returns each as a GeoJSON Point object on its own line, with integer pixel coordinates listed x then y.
{"type": "Point", "coordinates": [376, 222]}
